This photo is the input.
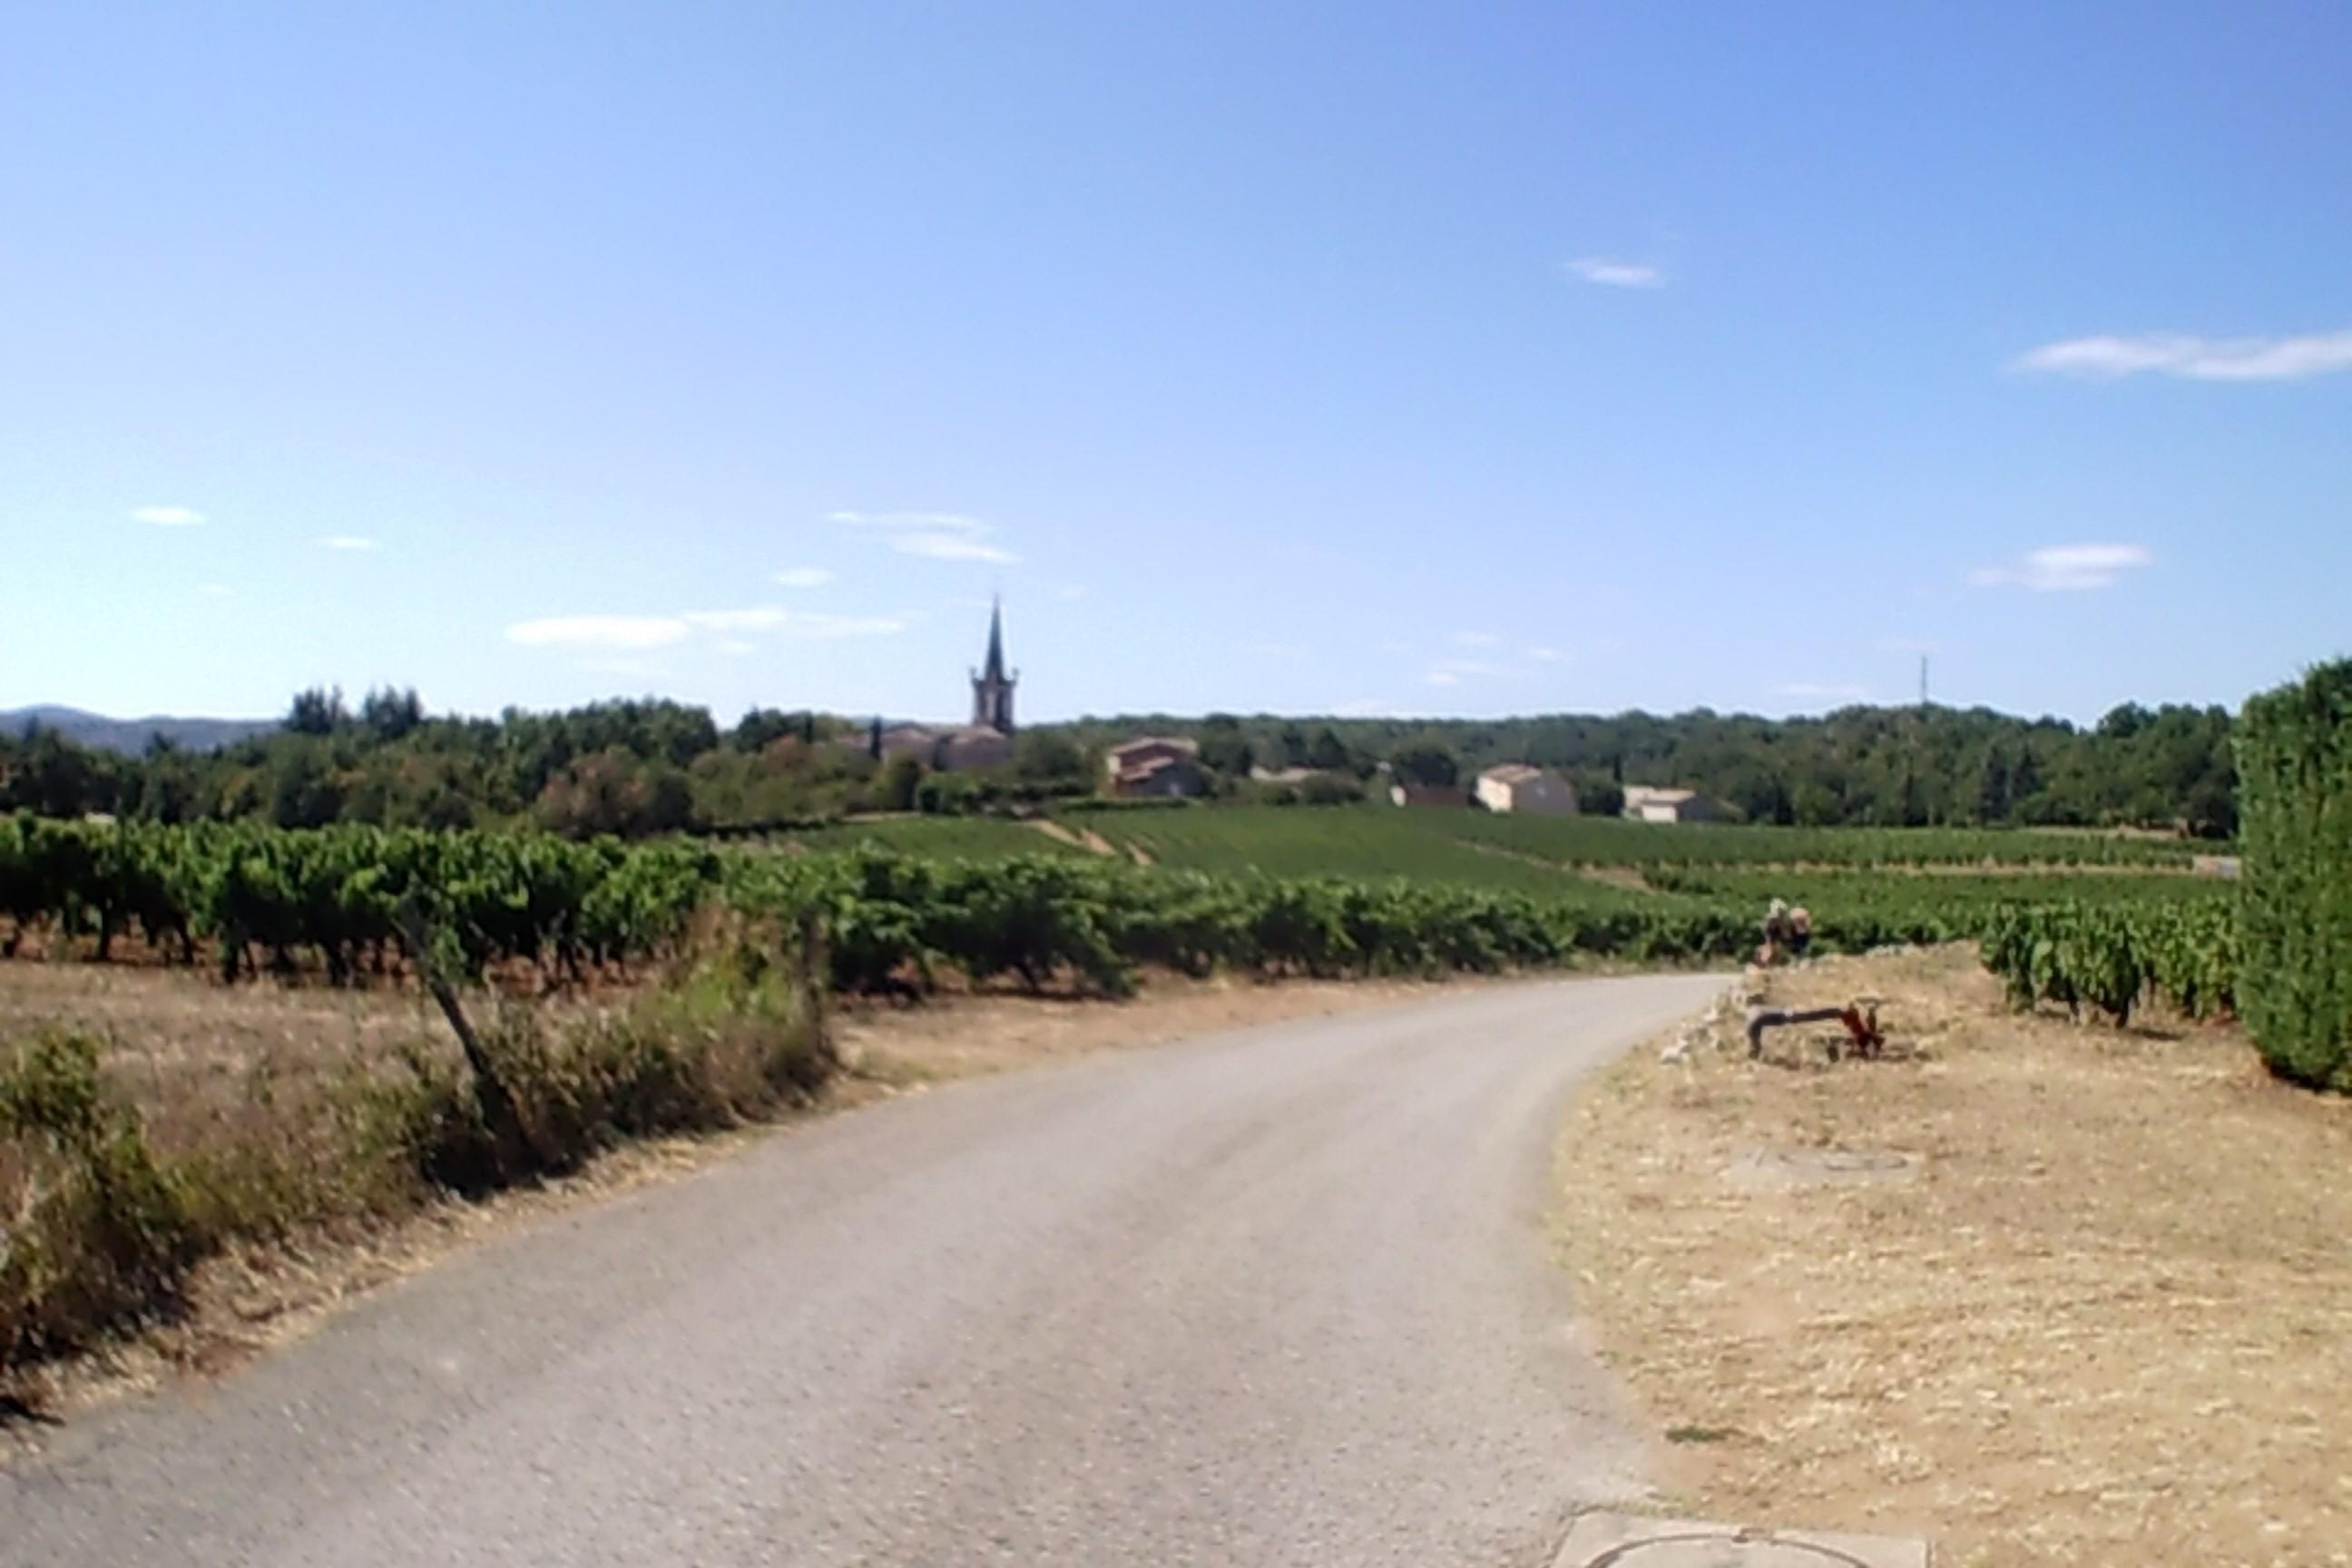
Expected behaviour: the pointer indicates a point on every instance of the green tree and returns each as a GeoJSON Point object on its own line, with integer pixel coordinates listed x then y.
{"type": "Point", "coordinates": [1045, 755]}
{"type": "Point", "coordinates": [390, 715]}
{"type": "Point", "coordinates": [1427, 762]}
{"type": "Point", "coordinates": [898, 782]}
{"type": "Point", "coordinates": [1223, 747]}
{"type": "Point", "coordinates": [1993, 786]}
{"type": "Point", "coordinates": [759, 726]}
{"type": "Point", "coordinates": [317, 711]}
{"type": "Point", "coordinates": [304, 789]}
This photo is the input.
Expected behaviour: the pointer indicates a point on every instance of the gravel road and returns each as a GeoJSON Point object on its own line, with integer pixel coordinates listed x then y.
{"type": "Point", "coordinates": [1280, 1296]}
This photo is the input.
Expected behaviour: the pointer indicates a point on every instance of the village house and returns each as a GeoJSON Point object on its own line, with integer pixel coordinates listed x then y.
{"type": "Point", "coordinates": [1527, 789]}
{"type": "Point", "coordinates": [1645, 802]}
{"type": "Point", "coordinates": [1166, 766]}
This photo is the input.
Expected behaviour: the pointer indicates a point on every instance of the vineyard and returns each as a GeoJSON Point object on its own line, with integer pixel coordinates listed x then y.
{"type": "Point", "coordinates": [1482, 848]}
{"type": "Point", "coordinates": [909, 901]}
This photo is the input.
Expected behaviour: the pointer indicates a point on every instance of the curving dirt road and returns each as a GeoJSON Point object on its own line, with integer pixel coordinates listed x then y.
{"type": "Point", "coordinates": [1276, 1296]}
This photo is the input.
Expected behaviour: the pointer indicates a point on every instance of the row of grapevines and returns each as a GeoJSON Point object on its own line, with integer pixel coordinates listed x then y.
{"type": "Point", "coordinates": [2115, 957]}
{"type": "Point", "coordinates": [338, 893]}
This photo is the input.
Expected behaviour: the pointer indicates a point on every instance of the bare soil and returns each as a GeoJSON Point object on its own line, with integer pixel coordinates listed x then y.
{"type": "Point", "coordinates": [207, 1061]}
{"type": "Point", "coordinates": [2101, 1312]}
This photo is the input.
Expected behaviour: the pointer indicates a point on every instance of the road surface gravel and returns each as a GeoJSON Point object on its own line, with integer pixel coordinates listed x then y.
{"type": "Point", "coordinates": [1279, 1296]}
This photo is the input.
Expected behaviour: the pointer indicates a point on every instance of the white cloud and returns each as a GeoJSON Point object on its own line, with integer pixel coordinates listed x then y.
{"type": "Point", "coordinates": [737, 648]}
{"type": "Point", "coordinates": [931, 521]}
{"type": "Point", "coordinates": [1070, 593]}
{"type": "Point", "coordinates": [935, 535]}
{"type": "Point", "coordinates": [348, 541]}
{"type": "Point", "coordinates": [804, 578]}
{"type": "Point", "coordinates": [167, 516]}
{"type": "Point", "coordinates": [1363, 708]}
{"type": "Point", "coordinates": [760, 618]}
{"type": "Point", "coordinates": [952, 547]}
{"type": "Point", "coordinates": [1822, 691]}
{"type": "Point", "coordinates": [1611, 274]}
{"type": "Point", "coordinates": [1477, 640]}
{"type": "Point", "coordinates": [1441, 677]}
{"type": "Point", "coordinates": [1543, 655]}
{"type": "Point", "coordinates": [2065, 568]}
{"type": "Point", "coordinates": [214, 590]}
{"type": "Point", "coordinates": [627, 632]}
{"type": "Point", "coordinates": [1396, 645]}
{"type": "Point", "coordinates": [2195, 358]}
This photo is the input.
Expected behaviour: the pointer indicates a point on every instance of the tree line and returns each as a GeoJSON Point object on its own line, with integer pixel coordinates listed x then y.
{"type": "Point", "coordinates": [637, 768]}
{"type": "Point", "coordinates": [2168, 767]}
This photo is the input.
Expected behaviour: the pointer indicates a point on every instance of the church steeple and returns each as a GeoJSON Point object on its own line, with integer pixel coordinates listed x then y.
{"type": "Point", "coordinates": [991, 687]}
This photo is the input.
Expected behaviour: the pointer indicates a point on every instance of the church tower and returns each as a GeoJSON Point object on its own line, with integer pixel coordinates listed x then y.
{"type": "Point", "coordinates": [991, 687]}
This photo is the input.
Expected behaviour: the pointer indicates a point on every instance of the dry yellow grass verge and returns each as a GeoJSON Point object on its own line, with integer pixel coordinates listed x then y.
{"type": "Point", "coordinates": [212, 1065]}
{"type": "Point", "coordinates": [2105, 1318]}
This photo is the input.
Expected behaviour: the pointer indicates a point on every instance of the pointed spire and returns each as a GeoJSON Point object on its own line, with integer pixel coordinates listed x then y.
{"type": "Point", "coordinates": [994, 669]}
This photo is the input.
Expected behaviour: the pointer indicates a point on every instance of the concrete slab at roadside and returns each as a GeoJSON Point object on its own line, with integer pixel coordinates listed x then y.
{"type": "Point", "coordinates": [1630, 1540]}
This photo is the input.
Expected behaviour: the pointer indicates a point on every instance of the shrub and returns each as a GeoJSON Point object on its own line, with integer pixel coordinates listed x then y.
{"type": "Point", "coordinates": [100, 1236]}
{"type": "Point", "coordinates": [102, 1230]}
{"type": "Point", "coordinates": [2295, 770]}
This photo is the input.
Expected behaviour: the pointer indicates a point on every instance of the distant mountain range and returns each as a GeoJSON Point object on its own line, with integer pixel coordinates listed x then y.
{"type": "Point", "coordinates": [131, 735]}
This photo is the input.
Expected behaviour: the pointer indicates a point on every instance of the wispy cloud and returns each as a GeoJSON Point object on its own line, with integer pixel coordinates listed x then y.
{"type": "Point", "coordinates": [1396, 645]}
{"type": "Point", "coordinates": [348, 541]}
{"type": "Point", "coordinates": [214, 590]}
{"type": "Point", "coordinates": [1441, 677]}
{"type": "Point", "coordinates": [2065, 568]}
{"type": "Point", "coordinates": [952, 547]}
{"type": "Point", "coordinates": [633, 632]}
{"type": "Point", "coordinates": [1822, 691]}
{"type": "Point", "coordinates": [1540, 653]}
{"type": "Point", "coordinates": [1613, 274]}
{"type": "Point", "coordinates": [1363, 708]}
{"type": "Point", "coordinates": [736, 647]}
{"type": "Point", "coordinates": [1477, 639]}
{"type": "Point", "coordinates": [1070, 593]}
{"type": "Point", "coordinates": [167, 516]}
{"type": "Point", "coordinates": [935, 535]}
{"type": "Point", "coordinates": [2195, 358]}
{"type": "Point", "coordinates": [804, 578]}
{"type": "Point", "coordinates": [935, 521]}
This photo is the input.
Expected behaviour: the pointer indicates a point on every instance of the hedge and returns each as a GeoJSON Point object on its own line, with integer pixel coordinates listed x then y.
{"type": "Point", "coordinates": [2295, 771]}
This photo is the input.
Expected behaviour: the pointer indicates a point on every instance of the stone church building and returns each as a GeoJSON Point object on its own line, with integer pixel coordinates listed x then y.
{"type": "Point", "coordinates": [985, 742]}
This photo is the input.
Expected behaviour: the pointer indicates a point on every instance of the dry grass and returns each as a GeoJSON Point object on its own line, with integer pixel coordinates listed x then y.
{"type": "Point", "coordinates": [2108, 1320]}
{"type": "Point", "coordinates": [210, 1066]}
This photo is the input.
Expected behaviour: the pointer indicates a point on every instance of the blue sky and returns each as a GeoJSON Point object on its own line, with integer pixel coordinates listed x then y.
{"type": "Point", "coordinates": [1306, 358]}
